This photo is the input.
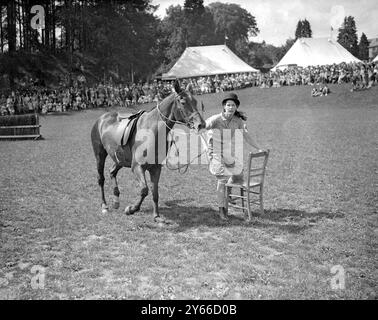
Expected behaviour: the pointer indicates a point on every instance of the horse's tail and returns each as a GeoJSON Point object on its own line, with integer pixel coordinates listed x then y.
{"type": "Point", "coordinates": [100, 154]}
{"type": "Point", "coordinates": [98, 147]}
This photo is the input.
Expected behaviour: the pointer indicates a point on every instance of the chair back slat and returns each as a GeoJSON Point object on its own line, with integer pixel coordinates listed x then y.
{"type": "Point", "coordinates": [257, 171]}
{"type": "Point", "coordinates": [256, 175]}
{"type": "Point", "coordinates": [256, 166]}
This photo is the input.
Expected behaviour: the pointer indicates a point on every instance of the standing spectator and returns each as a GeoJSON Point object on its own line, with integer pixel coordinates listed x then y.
{"type": "Point", "coordinates": [10, 105]}
{"type": "Point", "coordinates": [35, 102]}
{"type": "Point", "coordinates": [3, 106]}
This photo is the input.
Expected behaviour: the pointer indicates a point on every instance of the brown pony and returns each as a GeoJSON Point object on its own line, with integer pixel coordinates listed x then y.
{"type": "Point", "coordinates": [146, 146]}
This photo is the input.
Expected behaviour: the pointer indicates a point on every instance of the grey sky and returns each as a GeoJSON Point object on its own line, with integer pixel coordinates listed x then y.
{"type": "Point", "coordinates": [277, 19]}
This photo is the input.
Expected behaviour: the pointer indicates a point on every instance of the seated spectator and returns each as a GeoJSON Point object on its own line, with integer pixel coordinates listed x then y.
{"type": "Point", "coordinates": [3, 106]}
{"type": "Point", "coordinates": [10, 105]}
{"type": "Point", "coordinates": [35, 102]}
{"type": "Point", "coordinates": [315, 92]}
{"type": "Point", "coordinates": [325, 91]}
{"type": "Point", "coordinates": [45, 106]}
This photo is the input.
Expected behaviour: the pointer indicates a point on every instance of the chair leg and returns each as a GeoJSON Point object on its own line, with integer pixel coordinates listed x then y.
{"type": "Point", "coordinates": [261, 201]}
{"type": "Point", "coordinates": [245, 211]}
{"type": "Point", "coordinates": [227, 195]}
{"type": "Point", "coordinates": [242, 195]}
{"type": "Point", "coordinates": [249, 204]}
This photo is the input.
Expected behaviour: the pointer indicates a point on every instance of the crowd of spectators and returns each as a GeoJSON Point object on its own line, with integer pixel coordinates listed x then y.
{"type": "Point", "coordinates": [42, 100]}
{"type": "Point", "coordinates": [360, 75]}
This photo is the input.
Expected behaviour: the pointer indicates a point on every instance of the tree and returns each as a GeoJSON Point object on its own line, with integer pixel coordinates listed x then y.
{"type": "Point", "coordinates": [261, 55]}
{"type": "Point", "coordinates": [298, 30]}
{"type": "Point", "coordinates": [173, 34]}
{"type": "Point", "coordinates": [347, 36]}
{"type": "Point", "coordinates": [307, 32]}
{"type": "Point", "coordinates": [11, 26]}
{"type": "Point", "coordinates": [2, 31]}
{"type": "Point", "coordinates": [12, 39]}
{"type": "Point", "coordinates": [198, 25]}
{"type": "Point", "coordinates": [191, 25]}
{"type": "Point", "coordinates": [303, 29]}
{"type": "Point", "coordinates": [233, 24]}
{"type": "Point", "coordinates": [106, 35]}
{"type": "Point", "coordinates": [363, 48]}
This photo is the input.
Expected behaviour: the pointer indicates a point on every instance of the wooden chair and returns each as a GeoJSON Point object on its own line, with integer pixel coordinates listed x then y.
{"type": "Point", "coordinates": [251, 188]}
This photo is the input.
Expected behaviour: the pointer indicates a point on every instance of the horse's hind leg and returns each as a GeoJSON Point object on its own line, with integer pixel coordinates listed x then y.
{"type": "Point", "coordinates": [113, 176]}
{"type": "Point", "coordinates": [140, 174]}
{"type": "Point", "coordinates": [100, 157]}
{"type": "Point", "coordinates": [100, 154]}
{"type": "Point", "coordinates": [155, 176]}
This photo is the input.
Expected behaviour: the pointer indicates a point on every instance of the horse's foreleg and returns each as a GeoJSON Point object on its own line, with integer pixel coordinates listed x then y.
{"type": "Point", "coordinates": [101, 178]}
{"type": "Point", "coordinates": [113, 177]}
{"type": "Point", "coordinates": [155, 176]}
{"type": "Point", "coordinates": [100, 154]}
{"type": "Point", "coordinates": [140, 174]}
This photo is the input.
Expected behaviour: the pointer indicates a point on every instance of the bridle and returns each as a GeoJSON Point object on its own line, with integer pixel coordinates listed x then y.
{"type": "Point", "coordinates": [188, 123]}
{"type": "Point", "coordinates": [184, 168]}
{"type": "Point", "coordinates": [187, 119]}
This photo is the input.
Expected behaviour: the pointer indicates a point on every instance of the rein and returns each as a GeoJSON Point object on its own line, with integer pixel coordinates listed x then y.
{"type": "Point", "coordinates": [185, 166]}
{"type": "Point", "coordinates": [175, 121]}
{"type": "Point", "coordinates": [173, 142]}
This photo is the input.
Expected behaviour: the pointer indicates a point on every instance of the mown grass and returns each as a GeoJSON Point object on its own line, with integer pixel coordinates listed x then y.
{"type": "Point", "coordinates": [321, 200]}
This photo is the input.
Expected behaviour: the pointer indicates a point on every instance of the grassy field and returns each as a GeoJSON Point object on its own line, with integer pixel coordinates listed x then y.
{"type": "Point", "coordinates": [321, 212]}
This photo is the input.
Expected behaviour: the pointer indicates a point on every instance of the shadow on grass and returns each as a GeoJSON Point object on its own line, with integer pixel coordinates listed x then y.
{"type": "Point", "coordinates": [295, 215]}
{"type": "Point", "coordinates": [291, 220]}
{"type": "Point", "coordinates": [288, 220]}
{"type": "Point", "coordinates": [65, 113]}
{"type": "Point", "coordinates": [175, 202]}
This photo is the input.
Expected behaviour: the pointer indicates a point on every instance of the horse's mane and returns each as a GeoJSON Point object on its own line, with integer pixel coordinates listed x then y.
{"type": "Point", "coordinates": [158, 104]}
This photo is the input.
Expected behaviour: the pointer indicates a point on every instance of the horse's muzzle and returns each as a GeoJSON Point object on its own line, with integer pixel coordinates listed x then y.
{"type": "Point", "coordinates": [199, 126]}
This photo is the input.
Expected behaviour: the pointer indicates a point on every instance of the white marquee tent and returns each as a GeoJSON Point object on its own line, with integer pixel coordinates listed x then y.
{"type": "Point", "coordinates": [206, 61]}
{"type": "Point", "coordinates": [315, 51]}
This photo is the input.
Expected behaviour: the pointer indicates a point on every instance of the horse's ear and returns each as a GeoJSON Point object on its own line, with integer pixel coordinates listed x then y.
{"type": "Point", "coordinates": [176, 86]}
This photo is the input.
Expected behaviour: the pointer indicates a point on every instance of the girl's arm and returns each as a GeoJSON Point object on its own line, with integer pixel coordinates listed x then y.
{"type": "Point", "coordinates": [247, 137]}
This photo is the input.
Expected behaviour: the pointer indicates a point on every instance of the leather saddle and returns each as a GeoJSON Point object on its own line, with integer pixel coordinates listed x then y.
{"type": "Point", "coordinates": [125, 126]}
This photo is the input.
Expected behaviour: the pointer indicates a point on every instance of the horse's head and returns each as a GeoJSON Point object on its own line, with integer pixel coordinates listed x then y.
{"type": "Point", "coordinates": [185, 108]}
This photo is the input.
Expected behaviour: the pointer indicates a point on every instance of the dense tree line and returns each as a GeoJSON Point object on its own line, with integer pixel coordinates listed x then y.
{"type": "Point", "coordinates": [93, 36]}
{"type": "Point", "coordinates": [348, 38]}
{"type": "Point", "coordinates": [125, 39]}
{"type": "Point", "coordinates": [118, 38]}
{"type": "Point", "coordinates": [303, 29]}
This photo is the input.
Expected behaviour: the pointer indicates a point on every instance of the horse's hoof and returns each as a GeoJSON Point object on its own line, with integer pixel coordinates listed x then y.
{"type": "Point", "coordinates": [104, 209]}
{"type": "Point", "coordinates": [128, 211]}
{"type": "Point", "coordinates": [116, 205]}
